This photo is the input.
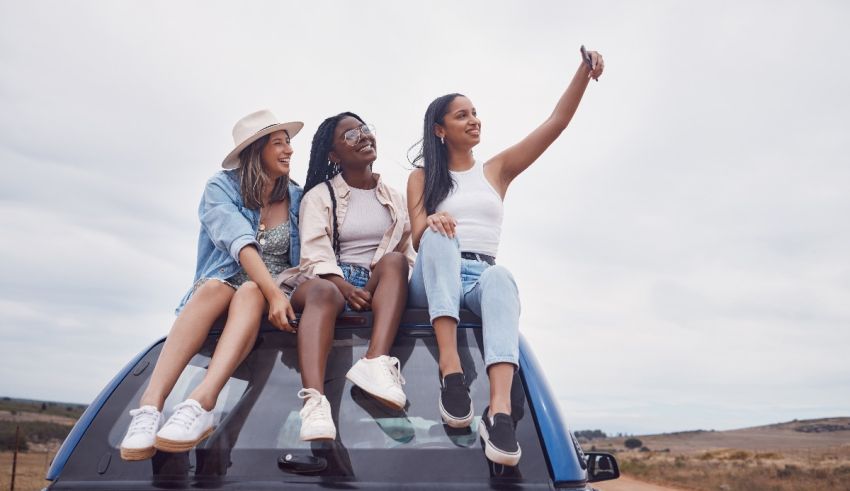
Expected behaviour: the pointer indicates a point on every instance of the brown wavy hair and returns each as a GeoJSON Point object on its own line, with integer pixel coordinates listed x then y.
{"type": "Point", "coordinates": [252, 177]}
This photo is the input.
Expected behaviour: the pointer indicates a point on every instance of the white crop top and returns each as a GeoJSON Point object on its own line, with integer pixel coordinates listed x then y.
{"type": "Point", "coordinates": [477, 207]}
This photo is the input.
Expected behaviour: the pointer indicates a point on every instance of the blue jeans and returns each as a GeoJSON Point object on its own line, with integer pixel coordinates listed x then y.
{"type": "Point", "coordinates": [444, 282]}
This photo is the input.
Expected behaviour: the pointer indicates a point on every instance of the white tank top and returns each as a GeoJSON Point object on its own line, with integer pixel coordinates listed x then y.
{"type": "Point", "coordinates": [366, 221]}
{"type": "Point", "coordinates": [477, 207]}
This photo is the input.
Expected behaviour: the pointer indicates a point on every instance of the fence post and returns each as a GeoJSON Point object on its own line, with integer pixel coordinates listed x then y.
{"type": "Point", "coordinates": [15, 457]}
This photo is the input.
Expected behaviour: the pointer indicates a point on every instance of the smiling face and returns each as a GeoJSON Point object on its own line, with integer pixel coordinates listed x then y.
{"type": "Point", "coordinates": [461, 126]}
{"type": "Point", "coordinates": [361, 154]}
{"type": "Point", "coordinates": [276, 154]}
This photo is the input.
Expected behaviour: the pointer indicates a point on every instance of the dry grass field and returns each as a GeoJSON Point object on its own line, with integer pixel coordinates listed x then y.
{"type": "Point", "coordinates": [799, 455]}
{"type": "Point", "coordinates": [32, 466]}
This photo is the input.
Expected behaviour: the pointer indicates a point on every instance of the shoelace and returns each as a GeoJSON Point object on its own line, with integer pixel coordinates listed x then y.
{"type": "Point", "coordinates": [314, 407]}
{"type": "Point", "coordinates": [393, 366]}
{"type": "Point", "coordinates": [144, 421]}
{"type": "Point", "coordinates": [184, 415]}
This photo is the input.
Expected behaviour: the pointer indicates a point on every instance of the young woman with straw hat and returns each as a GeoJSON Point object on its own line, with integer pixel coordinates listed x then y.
{"type": "Point", "coordinates": [249, 233]}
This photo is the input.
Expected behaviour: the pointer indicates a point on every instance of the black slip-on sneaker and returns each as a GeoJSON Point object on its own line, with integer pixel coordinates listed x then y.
{"type": "Point", "coordinates": [455, 404]}
{"type": "Point", "coordinates": [499, 435]}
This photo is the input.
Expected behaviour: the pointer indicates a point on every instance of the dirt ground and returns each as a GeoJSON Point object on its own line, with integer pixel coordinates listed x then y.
{"type": "Point", "coordinates": [626, 483]}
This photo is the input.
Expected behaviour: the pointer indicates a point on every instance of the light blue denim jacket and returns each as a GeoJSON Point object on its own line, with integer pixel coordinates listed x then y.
{"type": "Point", "coordinates": [227, 226]}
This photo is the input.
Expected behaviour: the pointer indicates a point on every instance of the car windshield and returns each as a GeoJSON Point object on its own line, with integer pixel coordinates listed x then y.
{"type": "Point", "coordinates": [257, 420]}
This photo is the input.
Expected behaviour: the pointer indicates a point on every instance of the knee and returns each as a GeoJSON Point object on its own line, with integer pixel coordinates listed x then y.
{"type": "Point", "coordinates": [498, 277]}
{"type": "Point", "coordinates": [393, 262]}
{"type": "Point", "coordinates": [434, 240]}
{"type": "Point", "coordinates": [323, 292]}
{"type": "Point", "coordinates": [249, 292]}
{"type": "Point", "coordinates": [214, 288]}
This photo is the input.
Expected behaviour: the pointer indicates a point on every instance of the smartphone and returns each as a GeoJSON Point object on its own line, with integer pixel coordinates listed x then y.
{"type": "Point", "coordinates": [586, 57]}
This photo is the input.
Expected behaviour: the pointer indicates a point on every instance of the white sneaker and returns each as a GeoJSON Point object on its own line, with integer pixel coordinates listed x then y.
{"type": "Point", "coordinates": [381, 377]}
{"type": "Point", "coordinates": [316, 420]}
{"type": "Point", "coordinates": [189, 424]}
{"type": "Point", "coordinates": [138, 442]}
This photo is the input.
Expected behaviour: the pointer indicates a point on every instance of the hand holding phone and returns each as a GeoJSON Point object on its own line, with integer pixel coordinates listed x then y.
{"type": "Point", "coordinates": [588, 60]}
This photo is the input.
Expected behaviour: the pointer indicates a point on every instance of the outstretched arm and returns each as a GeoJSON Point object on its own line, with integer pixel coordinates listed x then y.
{"type": "Point", "coordinates": [511, 162]}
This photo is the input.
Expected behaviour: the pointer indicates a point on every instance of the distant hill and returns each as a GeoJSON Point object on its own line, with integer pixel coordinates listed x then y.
{"type": "Point", "coordinates": [788, 436]}
{"type": "Point", "coordinates": [65, 409]}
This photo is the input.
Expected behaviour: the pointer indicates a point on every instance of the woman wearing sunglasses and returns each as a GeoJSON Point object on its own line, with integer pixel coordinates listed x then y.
{"type": "Point", "coordinates": [355, 254]}
{"type": "Point", "coordinates": [249, 233]}
{"type": "Point", "coordinates": [455, 204]}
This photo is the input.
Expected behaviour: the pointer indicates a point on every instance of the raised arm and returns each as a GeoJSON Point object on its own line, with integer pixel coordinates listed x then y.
{"type": "Point", "coordinates": [512, 161]}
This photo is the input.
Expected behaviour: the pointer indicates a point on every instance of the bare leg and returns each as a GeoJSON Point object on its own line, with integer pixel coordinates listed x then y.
{"type": "Point", "coordinates": [388, 286]}
{"type": "Point", "coordinates": [237, 339]}
{"type": "Point", "coordinates": [185, 339]}
{"type": "Point", "coordinates": [320, 303]}
{"type": "Point", "coordinates": [501, 377]}
{"type": "Point", "coordinates": [445, 329]}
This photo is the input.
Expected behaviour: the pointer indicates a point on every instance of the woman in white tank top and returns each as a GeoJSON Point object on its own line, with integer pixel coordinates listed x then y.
{"type": "Point", "coordinates": [455, 205]}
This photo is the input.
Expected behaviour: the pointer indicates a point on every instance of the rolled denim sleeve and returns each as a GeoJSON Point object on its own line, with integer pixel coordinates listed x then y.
{"type": "Point", "coordinates": [223, 220]}
{"type": "Point", "coordinates": [316, 229]}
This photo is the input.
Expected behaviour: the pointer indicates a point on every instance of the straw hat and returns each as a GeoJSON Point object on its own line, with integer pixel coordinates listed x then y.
{"type": "Point", "coordinates": [253, 127]}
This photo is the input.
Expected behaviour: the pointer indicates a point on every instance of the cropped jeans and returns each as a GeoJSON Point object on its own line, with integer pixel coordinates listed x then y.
{"type": "Point", "coordinates": [444, 282]}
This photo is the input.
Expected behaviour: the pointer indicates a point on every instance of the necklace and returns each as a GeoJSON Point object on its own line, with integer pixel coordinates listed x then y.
{"type": "Point", "coordinates": [261, 234]}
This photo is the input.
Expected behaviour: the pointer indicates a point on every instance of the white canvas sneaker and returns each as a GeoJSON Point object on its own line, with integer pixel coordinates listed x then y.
{"type": "Point", "coordinates": [316, 420]}
{"type": "Point", "coordinates": [138, 443]}
{"type": "Point", "coordinates": [189, 424]}
{"type": "Point", "coordinates": [380, 377]}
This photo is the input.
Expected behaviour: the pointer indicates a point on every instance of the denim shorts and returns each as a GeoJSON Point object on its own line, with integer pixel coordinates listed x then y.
{"type": "Point", "coordinates": [354, 274]}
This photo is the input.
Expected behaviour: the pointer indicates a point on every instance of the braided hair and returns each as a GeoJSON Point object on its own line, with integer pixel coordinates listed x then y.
{"type": "Point", "coordinates": [433, 156]}
{"type": "Point", "coordinates": [321, 168]}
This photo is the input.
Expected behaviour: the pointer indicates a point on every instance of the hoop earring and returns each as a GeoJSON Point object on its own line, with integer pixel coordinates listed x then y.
{"type": "Point", "coordinates": [442, 140]}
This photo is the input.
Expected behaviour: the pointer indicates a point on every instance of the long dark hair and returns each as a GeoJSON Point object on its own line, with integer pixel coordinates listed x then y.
{"type": "Point", "coordinates": [321, 168]}
{"type": "Point", "coordinates": [433, 155]}
{"type": "Point", "coordinates": [252, 177]}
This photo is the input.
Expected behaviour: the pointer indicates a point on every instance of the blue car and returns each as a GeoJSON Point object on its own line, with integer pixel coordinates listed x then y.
{"type": "Point", "coordinates": [256, 445]}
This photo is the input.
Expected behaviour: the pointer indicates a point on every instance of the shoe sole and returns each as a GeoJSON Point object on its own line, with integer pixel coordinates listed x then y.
{"type": "Point", "coordinates": [137, 453]}
{"type": "Point", "coordinates": [364, 387]}
{"type": "Point", "coordinates": [454, 422]}
{"type": "Point", "coordinates": [494, 454]}
{"type": "Point", "coordinates": [318, 437]}
{"type": "Point", "coordinates": [174, 446]}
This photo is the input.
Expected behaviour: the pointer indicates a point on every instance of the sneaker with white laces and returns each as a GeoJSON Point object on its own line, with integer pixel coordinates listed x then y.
{"type": "Point", "coordinates": [316, 420]}
{"type": "Point", "coordinates": [189, 424]}
{"type": "Point", "coordinates": [141, 434]}
{"type": "Point", "coordinates": [380, 377]}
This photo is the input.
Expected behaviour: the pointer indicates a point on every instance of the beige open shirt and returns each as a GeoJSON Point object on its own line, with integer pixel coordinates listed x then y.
{"type": "Point", "coordinates": [315, 225]}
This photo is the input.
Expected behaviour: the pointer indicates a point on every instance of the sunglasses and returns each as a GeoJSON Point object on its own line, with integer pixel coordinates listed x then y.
{"type": "Point", "coordinates": [354, 135]}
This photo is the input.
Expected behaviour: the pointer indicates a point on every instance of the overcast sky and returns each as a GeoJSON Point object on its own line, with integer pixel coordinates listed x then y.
{"type": "Point", "coordinates": [682, 251]}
